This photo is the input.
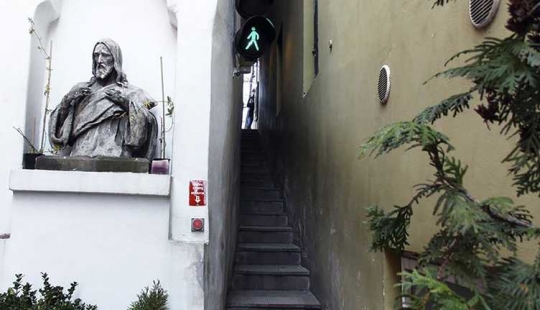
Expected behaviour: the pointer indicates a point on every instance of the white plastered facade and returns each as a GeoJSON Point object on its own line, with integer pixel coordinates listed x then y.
{"type": "Point", "coordinates": [113, 243]}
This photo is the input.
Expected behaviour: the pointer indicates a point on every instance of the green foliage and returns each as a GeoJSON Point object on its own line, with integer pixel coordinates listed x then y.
{"type": "Point", "coordinates": [506, 74]}
{"type": "Point", "coordinates": [503, 64]}
{"type": "Point", "coordinates": [478, 239]}
{"type": "Point", "coordinates": [455, 104]}
{"type": "Point", "coordinates": [398, 134]}
{"type": "Point", "coordinates": [517, 288]}
{"type": "Point", "coordinates": [440, 2]}
{"type": "Point", "coordinates": [389, 230]}
{"type": "Point", "coordinates": [22, 297]}
{"type": "Point", "coordinates": [436, 293]}
{"type": "Point", "coordinates": [154, 298]}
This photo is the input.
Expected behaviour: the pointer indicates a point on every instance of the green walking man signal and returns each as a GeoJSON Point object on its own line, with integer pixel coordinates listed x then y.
{"type": "Point", "coordinates": [253, 38]}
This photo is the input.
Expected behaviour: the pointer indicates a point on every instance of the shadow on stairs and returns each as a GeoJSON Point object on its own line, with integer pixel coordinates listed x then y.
{"type": "Point", "coordinates": [267, 272]}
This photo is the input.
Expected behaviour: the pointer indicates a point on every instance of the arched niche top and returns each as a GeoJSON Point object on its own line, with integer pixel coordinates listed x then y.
{"type": "Point", "coordinates": [47, 11]}
{"type": "Point", "coordinates": [172, 7]}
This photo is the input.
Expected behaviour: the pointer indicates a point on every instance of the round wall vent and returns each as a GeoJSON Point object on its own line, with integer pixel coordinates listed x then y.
{"type": "Point", "coordinates": [384, 84]}
{"type": "Point", "coordinates": [482, 12]}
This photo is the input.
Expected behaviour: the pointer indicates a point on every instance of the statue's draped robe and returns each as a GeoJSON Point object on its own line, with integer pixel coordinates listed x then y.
{"type": "Point", "coordinates": [97, 126]}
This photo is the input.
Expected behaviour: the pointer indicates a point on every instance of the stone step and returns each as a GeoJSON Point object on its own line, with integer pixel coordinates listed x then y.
{"type": "Point", "coordinates": [252, 153]}
{"type": "Point", "coordinates": [265, 187]}
{"type": "Point", "coordinates": [249, 137]}
{"type": "Point", "coordinates": [252, 156]}
{"type": "Point", "coordinates": [253, 163]}
{"type": "Point", "coordinates": [272, 270]}
{"type": "Point", "coordinates": [270, 277]}
{"type": "Point", "coordinates": [250, 143]}
{"type": "Point", "coordinates": [257, 183]}
{"type": "Point", "coordinates": [261, 207]}
{"type": "Point", "coordinates": [256, 194]}
{"type": "Point", "coordinates": [256, 176]}
{"type": "Point", "coordinates": [267, 254]}
{"type": "Point", "coordinates": [262, 234]}
{"type": "Point", "coordinates": [264, 220]}
{"type": "Point", "coordinates": [276, 300]}
{"type": "Point", "coordinates": [250, 132]}
{"type": "Point", "coordinates": [260, 169]}
{"type": "Point", "coordinates": [260, 165]}
{"type": "Point", "coordinates": [252, 149]}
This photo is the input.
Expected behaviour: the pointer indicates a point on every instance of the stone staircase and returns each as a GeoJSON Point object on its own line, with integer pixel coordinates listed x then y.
{"type": "Point", "coordinates": [267, 272]}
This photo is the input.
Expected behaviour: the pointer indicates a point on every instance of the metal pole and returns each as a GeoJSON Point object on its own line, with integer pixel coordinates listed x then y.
{"type": "Point", "coordinates": [163, 143]}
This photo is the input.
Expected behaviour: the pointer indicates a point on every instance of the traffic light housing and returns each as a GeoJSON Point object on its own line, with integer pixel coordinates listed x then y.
{"type": "Point", "coordinates": [254, 37]}
{"type": "Point", "coordinates": [249, 8]}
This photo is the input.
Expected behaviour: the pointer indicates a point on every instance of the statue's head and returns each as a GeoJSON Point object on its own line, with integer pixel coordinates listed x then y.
{"type": "Point", "coordinates": [107, 60]}
{"type": "Point", "coordinates": [104, 61]}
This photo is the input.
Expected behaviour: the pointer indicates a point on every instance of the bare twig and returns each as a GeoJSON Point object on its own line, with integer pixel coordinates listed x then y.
{"type": "Point", "coordinates": [47, 92]}
{"type": "Point", "coordinates": [28, 142]}
{"type": "Point", "coordinates": [47, 98]}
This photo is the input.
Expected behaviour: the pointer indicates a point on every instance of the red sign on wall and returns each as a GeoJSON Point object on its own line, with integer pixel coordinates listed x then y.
{"type": "Point", "coordinates": [197, 193]}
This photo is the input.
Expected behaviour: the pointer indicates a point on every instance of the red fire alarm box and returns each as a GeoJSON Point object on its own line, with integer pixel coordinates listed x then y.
{"type": "Point", "coordinates": [197, 193]}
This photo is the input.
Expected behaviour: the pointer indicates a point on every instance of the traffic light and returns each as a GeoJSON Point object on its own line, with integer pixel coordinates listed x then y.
{"type": "Point", "coordinates": [254, 37]}
{"type": "Point", "coordinates": [249, 8]}
{"type": "Point", "coordinates": [257, 33]}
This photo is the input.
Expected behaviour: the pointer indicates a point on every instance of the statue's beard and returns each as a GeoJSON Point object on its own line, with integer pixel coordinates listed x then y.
{"type": "Point", "coordinates": [102, 71]}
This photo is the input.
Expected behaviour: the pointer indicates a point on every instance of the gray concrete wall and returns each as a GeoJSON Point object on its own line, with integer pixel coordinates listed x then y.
{"type": "Point", "coordinates": [312, 168]}
{"type": "Point", "coordinates": [313, 141]}
{"type": "Point", "coordinates": [224, 158]}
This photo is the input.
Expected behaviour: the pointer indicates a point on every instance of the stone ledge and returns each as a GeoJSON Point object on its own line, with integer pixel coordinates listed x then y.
{"type": "Point", "coordinates": [119, 183]}
{"type": "Point", "coordinates": [89, 164]}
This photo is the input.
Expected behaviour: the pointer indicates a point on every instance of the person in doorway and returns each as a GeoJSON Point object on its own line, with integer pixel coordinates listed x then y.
{"type": "Point", "coordinates": [251, 108]}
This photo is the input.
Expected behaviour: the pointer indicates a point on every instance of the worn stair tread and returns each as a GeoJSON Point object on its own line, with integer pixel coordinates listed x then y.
{"type": "Point", "coordinates": [255, 174]}
{"type": "Point", "coordinates": [278, 270]}
{"type": "Point", "coordinates": [264, 214]}
{"type": "Point", "coordinates": [273, 299]}
{"type": "Point", "coordinates": [268, 247]}
{"type": "Point", "coordinates": [255, 171]}
{"type": "Point", "coordinates": [265, 228]}
{"type": "Point", "coordinates": [261, 199]}
{"type": "Point", "coordinates": [258, 187]}
{"type": "Point", "coordinates": [248, 213]}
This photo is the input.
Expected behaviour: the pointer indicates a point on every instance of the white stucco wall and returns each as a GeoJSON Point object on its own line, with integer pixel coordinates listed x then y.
{"type": "Point", "coordinates": [224, 157]}
{"type": "Point", "coordinates": [195, 21]}
{"type": "Point", "coordinates": [113, 245]}
{"type": "Point", "coordinates": [13, 84]}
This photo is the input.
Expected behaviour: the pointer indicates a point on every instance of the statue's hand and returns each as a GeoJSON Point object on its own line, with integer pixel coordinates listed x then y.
{"type": "Point", "coordinates": [118, 98]}
{"type": "Point", "coordinates": [77, 94]}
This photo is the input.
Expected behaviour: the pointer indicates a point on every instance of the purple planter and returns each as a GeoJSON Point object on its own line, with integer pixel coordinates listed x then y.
{"type": "Point", "coordinates": [160, 166]}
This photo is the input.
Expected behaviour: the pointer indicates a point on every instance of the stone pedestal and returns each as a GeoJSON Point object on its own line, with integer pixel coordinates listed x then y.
{"type": "Point", "coordinates": [98, 164]}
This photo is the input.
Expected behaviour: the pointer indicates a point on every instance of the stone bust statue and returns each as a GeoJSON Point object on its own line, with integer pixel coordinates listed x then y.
{"type": "Point", "coordinates": [106, 116]}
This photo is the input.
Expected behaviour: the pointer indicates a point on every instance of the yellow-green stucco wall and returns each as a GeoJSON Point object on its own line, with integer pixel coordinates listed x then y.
{"type": "Point", "coordinates": [313, 141]}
